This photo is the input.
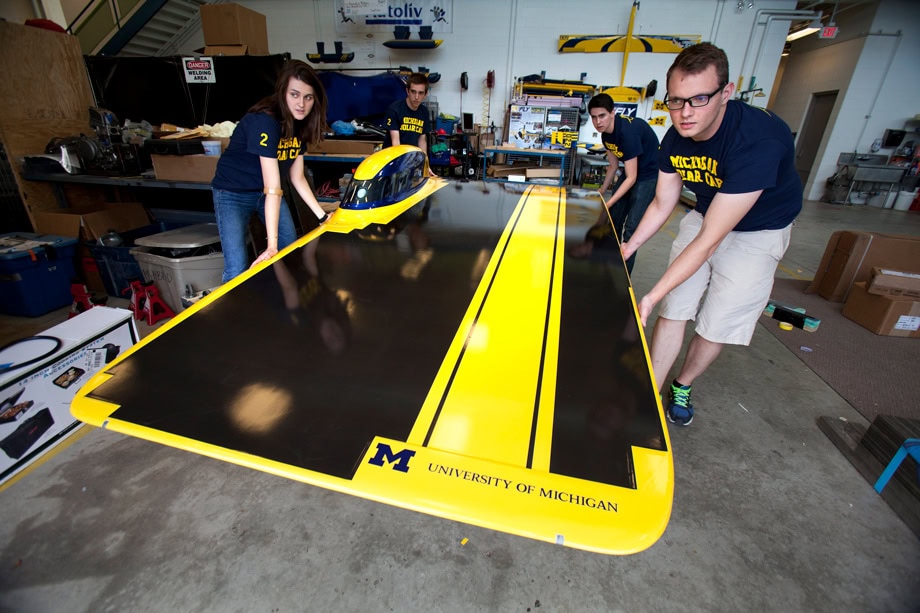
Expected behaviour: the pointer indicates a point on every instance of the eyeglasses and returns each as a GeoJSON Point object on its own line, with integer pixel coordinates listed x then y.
{"type": "Point", "coordinates": [676, 104]}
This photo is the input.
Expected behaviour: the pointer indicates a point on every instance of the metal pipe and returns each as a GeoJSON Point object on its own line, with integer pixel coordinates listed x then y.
{"type": "Point", "coordinates": [878, 90]}
{"type": "Point", "coordinates": [509, 65]}
{"type": "Point", "coordinates": [763, 40]}
{"type": "Point", "coordinates": [716, 20]}
{"type": "Point", "coordinates": [789, 14]}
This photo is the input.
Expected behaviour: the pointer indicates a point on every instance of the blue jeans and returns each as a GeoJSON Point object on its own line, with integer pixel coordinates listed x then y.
{"type": "Point", "coordinates": [233, 211]}
{"type": "Point", "coordinates": [628, 212]}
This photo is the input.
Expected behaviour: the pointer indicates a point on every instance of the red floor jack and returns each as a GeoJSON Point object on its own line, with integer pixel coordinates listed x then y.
{"type": "Point", "coordinates": [83, 300]}
{"type": "Point", "coordinates": [154, 306]}
{"type": "Point", "coordinates": [137, 299]}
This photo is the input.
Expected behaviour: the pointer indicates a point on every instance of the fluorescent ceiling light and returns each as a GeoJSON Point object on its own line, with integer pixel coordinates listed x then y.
{"type": "Point", "coordinates": [811, 28]}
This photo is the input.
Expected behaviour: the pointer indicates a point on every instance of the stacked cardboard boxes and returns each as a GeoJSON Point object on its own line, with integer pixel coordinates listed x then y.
{"type": "Point", "coordinates": [894, 283]}
{"type": "Point", "coordinates": [850, 257]}
{"type": "Point", "coordinates": [877, 276]}
{"type": "Point", "coordinates": [231, 29]}
{"type": "Point", "coordinates": [884, 315]}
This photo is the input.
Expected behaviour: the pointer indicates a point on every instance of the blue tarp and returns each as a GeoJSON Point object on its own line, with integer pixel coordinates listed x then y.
{"type": "Point", "coordinates": [361, 98]}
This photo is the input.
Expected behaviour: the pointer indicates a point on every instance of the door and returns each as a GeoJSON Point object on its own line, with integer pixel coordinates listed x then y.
{"type": "Point", "coordinates": [809, 139]}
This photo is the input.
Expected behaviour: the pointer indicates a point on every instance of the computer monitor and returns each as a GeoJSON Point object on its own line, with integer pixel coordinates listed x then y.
{"type": "Point", "coordinates": [893, 138]}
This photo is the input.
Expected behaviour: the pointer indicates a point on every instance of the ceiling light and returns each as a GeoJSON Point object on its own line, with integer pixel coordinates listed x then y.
{"type": "Point", "coordinates": [811, 28]}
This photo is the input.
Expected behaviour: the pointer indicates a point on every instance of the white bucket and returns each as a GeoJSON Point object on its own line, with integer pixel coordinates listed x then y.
{"type": "Point", "coordinates": [904, 200]}
{"type": "Point", "coordinates": [876, 199]}
{"type": "Point", "coordinates": [858, 197]}
{"type": "Point", "coordinates": [890, 197]}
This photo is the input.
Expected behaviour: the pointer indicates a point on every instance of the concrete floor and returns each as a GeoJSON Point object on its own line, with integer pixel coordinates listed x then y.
{"type": "Point", "coordinates": [768, 515]}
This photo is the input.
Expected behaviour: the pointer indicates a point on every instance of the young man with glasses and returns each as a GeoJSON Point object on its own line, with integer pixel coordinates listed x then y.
{"type": "Point", "coordinates": [739, 161]}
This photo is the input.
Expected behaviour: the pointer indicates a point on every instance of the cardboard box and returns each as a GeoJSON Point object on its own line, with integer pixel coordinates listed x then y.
{"type": "Point", "coordinates": [893, 283]}
{"type": "Point", "coordinates": [850, 257]}
{"type": "Point", "coordinates": [90, 224]}
{"type": "Point", "coordinates": [356, 147]}
{"type": "Point", "coordinates": [212, 50]}
{"type": "Point", "coordinates": [188, 168]}
{"type": "Point", "coordinates": [884, 315]}
{"type": "Point", "coordinates": [35, 399]}
{"type": "Point", "coordinates": [543, 173]}
{"type": "Point", "coordinates": [232, 24]}
{"type": "Point", "coordinates": [501, 171]}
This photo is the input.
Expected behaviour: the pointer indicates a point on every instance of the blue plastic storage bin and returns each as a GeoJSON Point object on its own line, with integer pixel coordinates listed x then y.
{"type": "Point", "coordinates": [36, 271]}
{"type": "Point", "coordinates": [448, 125]}
{"type": "Point", "coordinates": [439, 158]}
{"type": "Point", "coordinates": [117, 266]}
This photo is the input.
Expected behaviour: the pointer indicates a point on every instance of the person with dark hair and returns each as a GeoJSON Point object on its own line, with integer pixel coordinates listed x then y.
{"type": "Point", "coordinates": [407, 120]}
{"type": "Point", "coordinates": [632, 141]}
{"type": "Point", "coordinates": [739, 160]}
{"type": "Point", "coordinates": [268, 140]}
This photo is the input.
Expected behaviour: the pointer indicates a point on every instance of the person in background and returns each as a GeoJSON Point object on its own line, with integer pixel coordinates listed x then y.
{"type": "Point", "coordinates": [632, 141]}
{"type": "Point", "coordinates": [407, 121]}
{"type": "Point", "coordinates": [739, 160]}
{"type": "Point", "coordinates": [267, 142]}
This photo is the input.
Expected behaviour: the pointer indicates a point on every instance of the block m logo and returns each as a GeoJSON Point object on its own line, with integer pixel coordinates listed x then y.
{"type": "Point", "coordinates": [385, 454]}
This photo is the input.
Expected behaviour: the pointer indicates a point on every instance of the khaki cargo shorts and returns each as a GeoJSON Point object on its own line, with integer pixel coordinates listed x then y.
{"type": "Point", "coordinates": [736, 281]}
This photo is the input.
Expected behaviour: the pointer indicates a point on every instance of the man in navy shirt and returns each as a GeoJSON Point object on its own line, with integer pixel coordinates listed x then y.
{"type": "Point", "coordinates": [631, 141]}
{"type": "Point", "coordinates": [739, 161]}
{"type": "Point", "coordinates": [407, 121]}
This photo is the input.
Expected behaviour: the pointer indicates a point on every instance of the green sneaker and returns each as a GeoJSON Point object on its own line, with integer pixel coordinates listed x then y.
{"type": "Point", "coordinates": [680, 411]}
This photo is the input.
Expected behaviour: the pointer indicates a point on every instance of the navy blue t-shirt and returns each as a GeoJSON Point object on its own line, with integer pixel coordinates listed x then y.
{"type": "Point", "coordinates": [633, 138]}
{"type": "Point", "coordinates": [410, 124]}
{"type": "Point", "coordinates": [257, 135]}
{"type": "Point", "coordinates": [752, 150]}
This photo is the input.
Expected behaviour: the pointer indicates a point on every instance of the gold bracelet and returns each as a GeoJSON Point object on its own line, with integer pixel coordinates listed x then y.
{"type": "Point", "coordinates": [273, 191]}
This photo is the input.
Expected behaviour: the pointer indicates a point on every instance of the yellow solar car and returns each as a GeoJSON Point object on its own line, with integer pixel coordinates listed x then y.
{"type": "Point", "coordinates": [434, 347]}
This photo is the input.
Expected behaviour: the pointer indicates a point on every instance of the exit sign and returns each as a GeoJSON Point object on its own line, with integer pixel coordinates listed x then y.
{"type": "Point", "coordinates": [829, 32]}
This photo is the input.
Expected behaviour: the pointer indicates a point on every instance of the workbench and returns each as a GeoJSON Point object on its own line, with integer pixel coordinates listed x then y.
{"type": "Point", "coordinates": [869, 173]}
{"type": "Point", "coordinates": [542, 155]}
{"type": "Point", "coordinates": [58, 180]}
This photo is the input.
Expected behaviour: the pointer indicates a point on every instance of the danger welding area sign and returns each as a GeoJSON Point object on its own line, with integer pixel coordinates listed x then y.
{"type": "Point", "coordinates": [199, 69]}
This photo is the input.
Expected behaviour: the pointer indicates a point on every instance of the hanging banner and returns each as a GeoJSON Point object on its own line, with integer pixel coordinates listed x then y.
{"type": "Point", "coordinates": [436, 14]}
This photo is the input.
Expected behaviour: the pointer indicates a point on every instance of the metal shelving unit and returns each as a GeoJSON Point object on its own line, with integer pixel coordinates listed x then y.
{"type": "Point", "coordinates": [547, 158]}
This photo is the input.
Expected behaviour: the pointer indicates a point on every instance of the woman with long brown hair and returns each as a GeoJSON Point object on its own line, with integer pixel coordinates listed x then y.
{"type": "Point", "coordinates": [268, 140]}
